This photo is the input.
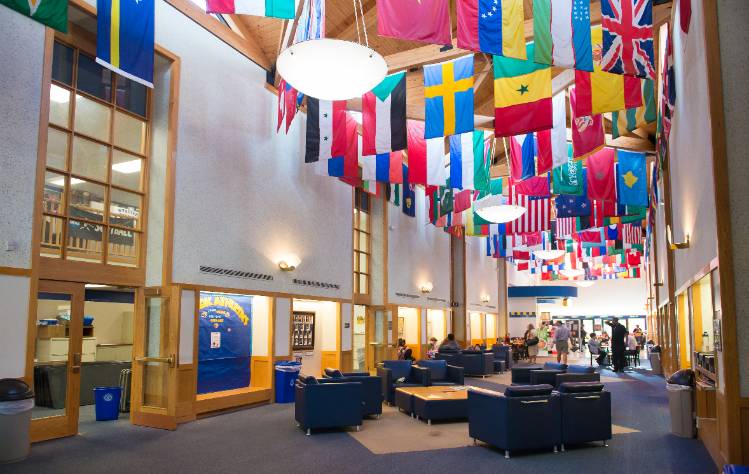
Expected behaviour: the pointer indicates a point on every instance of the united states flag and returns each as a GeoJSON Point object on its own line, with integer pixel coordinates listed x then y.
{"type": "Point", "coordinates": [566, 226]}
{"type": "Point", "coordinates": [632, 234]}
{"type": "Point", "coordinates": [628, 37]}
{"type": "Point", "coordinates": [537, 217]}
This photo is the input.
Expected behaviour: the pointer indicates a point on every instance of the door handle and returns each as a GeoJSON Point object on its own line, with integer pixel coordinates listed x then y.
{"type": "Point", "coordinates": [76, 367]}
{"type": "Point", "coordinates": [164, 360]}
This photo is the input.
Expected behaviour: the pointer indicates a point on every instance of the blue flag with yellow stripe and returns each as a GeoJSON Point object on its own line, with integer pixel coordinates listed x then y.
{"type": "Point", "coordinates": [125, 38]}
{"type": "Point", "coordinates": [448, 97]}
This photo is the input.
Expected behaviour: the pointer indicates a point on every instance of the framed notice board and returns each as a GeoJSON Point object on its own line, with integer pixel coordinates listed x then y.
{"type": "Point", "coordinates": [303, 331]}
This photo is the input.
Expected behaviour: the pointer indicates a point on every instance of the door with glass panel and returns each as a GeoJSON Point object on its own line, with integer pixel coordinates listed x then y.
{"type": "Point", "coordinates": [58, 356]}
{"type": "Point", "coordinates": [376, 335]}
{"type": "Point", "coordinates": [155, 341]}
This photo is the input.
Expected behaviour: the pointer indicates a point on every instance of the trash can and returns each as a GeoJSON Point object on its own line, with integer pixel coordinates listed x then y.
{"type": "Point", "coordinates": [16, 402]}
{"type": "Point", "coordinates": [655, 363]}
{"type": "Point", "coordinates": [107, 401]}
{"type": "Point", "coordinates": [286, 374]}
{"type": "Point", "coordinates": [680, 388]}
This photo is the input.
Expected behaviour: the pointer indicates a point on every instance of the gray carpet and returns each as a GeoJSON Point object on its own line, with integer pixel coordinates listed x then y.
{"type": "Point", "coordinates": [265, 439]}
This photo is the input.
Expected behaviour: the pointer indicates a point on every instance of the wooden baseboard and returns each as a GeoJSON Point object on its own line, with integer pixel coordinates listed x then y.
{"type": "Point", "coordinates": [240, 397]}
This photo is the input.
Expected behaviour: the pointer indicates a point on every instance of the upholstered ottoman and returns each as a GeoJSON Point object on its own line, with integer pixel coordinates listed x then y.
{"type": "Point", "coordinates": [448, 404]}
{"type": "Point", "coordinates": [404, 400]}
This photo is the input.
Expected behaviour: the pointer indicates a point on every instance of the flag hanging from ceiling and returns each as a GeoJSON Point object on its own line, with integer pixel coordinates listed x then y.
{"type": "Point", "coordinates": [384, 116]}
{"type": "Point", "coordinates": [346, 165]}
{"type": "Point", "coordinates": [624, 121]}
{"type": "Point", "coordinates": [562, 33]}
{"type": "Point", "coordinates": [311, 21]}
{"type": "Point", "coordinates": [601, 91]}
{"type": "Point", "coordinates": [384, 167]}
{"type": "Point", "coordinates": [124, 38]}
{"type": "Point", "coordinates": [587, 131]}
{"type": "Point", "coordinates": [409, 195]}
{"type": "Point", "coordinates": [632, 178]}
{"type": "Point", "coordinates": [423, 20]}
{"type": "Point", "coordinates": [448, 93]}
{"type": "Point", "coordinates": [632, 233]}
{"type": "Point", "coordinates": [568, 178]}
{"type": "Point", "coordinates": [426, 157]}
{"type": "Point", "coordinates": [565, 227]}
{"type": "Point", "coordinates": [536, 186]}
{"type": "Point", "coordinates": [466, 159]}
{"type": "Point", "coordinates": [285, 9]}
{"type": "Point", "coordinates": [537, 216]}
{"type": "Point", "coordinates": [544, 159]}
{"type": "Point", "coordinates": [601, 181]}
{"type": "Point", "coordinates": [570, 205]}
{"type": "Point", "coordinates": [628, 37]}
{"type": "Point", "coordinates": [53, 13]}
{"type": "Point", "coordinates": [522, 157]}
{"type": "Point", "coordinates": [326, 129]}
{"type": "Point", "coordinates": [560, 150]}
{"type": "Point", "coordinates": [491, 26]}
{"type": "Point", "coordinates": [522, 95]}
{"type": "Point", "coordinates": [287, 104]}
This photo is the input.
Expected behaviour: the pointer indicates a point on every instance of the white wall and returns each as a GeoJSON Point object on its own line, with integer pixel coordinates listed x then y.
{"type": "Point", "coordinates": [607, 297]}
{"type": "Point", "coordinates": [481, 276]}
{"type": "Point", "coordinates": [661, 249]}
{"type": "Point", "coordinates": [491, 326]}
{"type": "Point", "coordinates": [346, 332]}
{"type": "Point", "coordinates": [410, 324]}
{"type": "Point", "coordinates": [187, 318]}
{"type": "Point", "coordinates": [476, 325]}
{"type": "Point", "coordinates": [261, 307]}
{"type": "Point", "coordinates": [436, 318]}
{"type": "Point", "coordinates": [417, 252]}
{"type": "Point", "coordinates": [14, 293]}
{"type": "Point", "coordinates": [325, 332]}
{"type": "Point", "coordinates": [518, 326]}
{"type": "Point", "coordinates": [282, 330]}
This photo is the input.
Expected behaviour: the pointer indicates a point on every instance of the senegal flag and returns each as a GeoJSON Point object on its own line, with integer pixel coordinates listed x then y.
{"type": "Point", "coordinates": [522, 95]}
{"type": "Point", "coordinates": [53, 13]}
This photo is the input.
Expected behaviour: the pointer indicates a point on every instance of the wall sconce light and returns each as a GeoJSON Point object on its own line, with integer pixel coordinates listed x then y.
{"type": "Point", "coordinates": [288, 263]}
{"type": "Point", "coordinates": [426, 287]}
{"type": "Point", "coordinates": [675, 245]}
{"type": "Point", "coordinates": [485, 298]}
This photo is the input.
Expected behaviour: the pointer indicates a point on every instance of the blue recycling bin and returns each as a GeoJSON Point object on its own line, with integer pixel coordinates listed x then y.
{"type": "Point", "coordinates": [107, 400]}
{"type": "Point", "coordinates": [286, 375]}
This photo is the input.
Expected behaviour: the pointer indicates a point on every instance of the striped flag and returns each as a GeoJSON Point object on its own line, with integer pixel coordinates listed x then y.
{"type": "Point", "coordinates": [426, 157]}
{"type": "Point", "coordinates": [326, 129]}
{"type": "Point", "coordinates": [624, 121]}
{"type": "Point", "coordinates": [566, 226]}
{"type": "Point", "coordinates": [384, 116]}
{"type": "Point", "coordinates": [385, 167]}
{"type": "Point", "coordinates": [632, 234]}
{"type": "Point", "coordinates": [492, 26]}
{"type": "Point", "coordinates": [562, 33]}
{"type": "Point", "coordinates": [285, 9]}
{"type": "Point", "coordinates": [536, 218]}
{"type": "Point", "coordinates": [466, 157]}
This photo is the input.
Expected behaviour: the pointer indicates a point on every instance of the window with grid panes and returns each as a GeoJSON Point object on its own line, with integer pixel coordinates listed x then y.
{"type": "Point", "coordinates": [97, 152]}
{"type": "Point", "coordinates": [362, 240]}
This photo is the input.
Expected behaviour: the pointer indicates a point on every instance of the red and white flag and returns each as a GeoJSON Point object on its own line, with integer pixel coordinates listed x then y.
{"type": "Point", "coordinates": [537, 216]}
{"type": "Point", "coordinates": [565, 227]}
{"type": "Point", "coordinates": [632, 234]}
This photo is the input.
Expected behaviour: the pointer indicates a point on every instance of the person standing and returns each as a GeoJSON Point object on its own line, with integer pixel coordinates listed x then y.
{"type": "Point", "coordinates": [531, 341]}
{"type": "Point", "coordinates": [618, 344]}
{"type": "Point", "coordinates": [562, 336]}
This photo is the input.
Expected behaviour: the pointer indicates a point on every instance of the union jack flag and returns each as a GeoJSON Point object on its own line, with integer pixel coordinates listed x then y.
{"type": "Point", "coordinates": [628, 37]}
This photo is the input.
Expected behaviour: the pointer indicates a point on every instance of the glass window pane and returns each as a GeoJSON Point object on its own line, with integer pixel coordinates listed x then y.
{"type": "Point", "coordinates": [126, 170]}
{"type": "Point", "coordinates": [59, 106]}
{"type": "Point", "coordinates": [363, 221]}
{"type": "Point", "coordinates": [57, 148]}
{"type": "Point", "coordinates": [62, 64]}
{"type": "Point", "coordinates": [363, 241]}
{"type": "Point", "coordinates": [86, 200]}
{"type": "Point", "coordinates": [131, 96]}
{"type": "Point", "coordinates": [84, 241]}
{"type": "Point", "coordinates": [356, 261]}
{"type": "Point", "coordinates": [51, 357]}
{"type": "Point", "coordinates": [356, 283]}
{"type": "Point", "coordinates": [125, 209]}
{"type": "Point", "coordinates": [51, 244]}
{"type": "Point", "coordinates": [155, 374]}
{"type": "Point", "coordinates": [123, 247]}
{"type": "Point", "coordinates": [363, 284]}
{"type": "Point", "coordinates": [93, 78]}
{"type": "Point", "coordinates": [90, 159]}
{"type": "Point", "coordinates": [53, 199]}
{"type": "Point", "coordinates": [363, 263]}
{"type": "Point", "coordinates": [92, 118]}
{"type": "Point", "coordinates": [356, 240]}
{"type": "Point", "coordinates": [129, 132]}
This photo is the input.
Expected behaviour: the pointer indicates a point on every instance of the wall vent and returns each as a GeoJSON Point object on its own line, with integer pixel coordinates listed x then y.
{"type": "Point", "coordinates": [235, 273]}
{"type": "Point", "coordinates": [406, 295]}
{"type": "Point", "coordinates": [441, 300]}
{"type": "Point", "coordinates": [317, 284]}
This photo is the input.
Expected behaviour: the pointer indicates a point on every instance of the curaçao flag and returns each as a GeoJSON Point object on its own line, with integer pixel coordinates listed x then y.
{"type": "Point", "coordinates": [125, 38]}
{"type": "Point", "coordinates": [273, 8]}
{"type": "Point", "coordinates": [561, 31]}
{"type": "Point", "coordinates": [53, 13]}
{"type": "Point", "coordinates": [448, 94]}
{"type": "Point", "coordinates": [492, 27]}
{"type": "Point", "coordinates": [466, 159]}
{"type": "Point", "coordinates": [632, 181]}
{"type": "Point", "coordinates": [384, 116]}
{"type": "Point", "coordinates": [522, 95]}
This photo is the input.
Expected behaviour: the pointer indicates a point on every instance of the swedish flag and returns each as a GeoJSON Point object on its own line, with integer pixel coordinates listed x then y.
{"type": "Point", "coordinates": [448, 94]}
{"type": "Point", "coordinates": [125, 38]}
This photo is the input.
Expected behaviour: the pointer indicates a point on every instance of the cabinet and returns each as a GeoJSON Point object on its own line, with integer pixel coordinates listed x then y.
{"type": "Point", "coordinates": [55, 349]}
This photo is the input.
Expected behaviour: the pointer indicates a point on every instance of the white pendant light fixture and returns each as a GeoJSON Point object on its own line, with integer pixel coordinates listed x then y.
{"type": "Point", "coordinates": [332, 69]}
{"type": "Point", "coordinates": [572, 272]}
{"type": "Point", "coordinates": [495, 209]}
{"type": "Point", "coordinates": [585, 283]}
{"type": "Point", "coordinates": [549, 254]}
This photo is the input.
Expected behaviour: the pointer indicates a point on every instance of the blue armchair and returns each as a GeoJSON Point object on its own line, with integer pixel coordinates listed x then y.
{"type": "Point", "coordinates": [400, 373]}
{"type": "Point", "coordinates": [327, 405]}
{"type": "Point", "coordinates": [547, 374]}
{"type": "Point", "coordinates": [577, 373]}
{"type": "Point", "coordinates": [502, 354]}
{"type": "Point", "coordinates": [477, 363]}
{"type": "Point", "coordinates": [586, 413]}
{"type": "Point", "coordinates": [452, 356]}
{"type": "Point", "coordinates": [371, 388]}
{"type": "Point", "coordinates": [440, 373]}
{"type": "Point", "coordinates": [526, 417]}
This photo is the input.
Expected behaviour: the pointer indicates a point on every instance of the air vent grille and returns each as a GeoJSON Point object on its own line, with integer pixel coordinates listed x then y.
{"type": "Point", "coordinates": [407, 295]}
{"type": "Point", "coordinates": [235, 273]}
{"type": "Point", "coordinates": [317, 284]}
{"type": "Point", "coordinates": [441, 300]}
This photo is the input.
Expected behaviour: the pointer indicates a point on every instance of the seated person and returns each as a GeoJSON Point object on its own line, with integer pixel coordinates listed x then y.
{"type": "Point", "coordinates": [433, 348]}
{"type": "Point", "coordinates": [449, 343]}
{"type": "Point", "coordinates": [594, 345]}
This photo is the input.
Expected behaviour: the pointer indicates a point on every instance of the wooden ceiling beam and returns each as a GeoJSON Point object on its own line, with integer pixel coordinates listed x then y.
{"type": "Point", "coordinates": [347, 30]}
{"type": "Point", "coordinates": [247, 32]}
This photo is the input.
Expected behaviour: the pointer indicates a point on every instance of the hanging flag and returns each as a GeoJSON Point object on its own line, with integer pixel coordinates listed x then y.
{"type": "Point", "coordinates": [385, 167]}
{"type": "Point", "coordinates": [522, 157]}
{"type": "Point", "coordinates": [628, 37]}
{"type": "Point", "coordinates": [124, 38]}
{"type": "Point", "coordinates": [601, 91]}
{"type": "Point", "coordinates": [632, 178]}
{"type": "Point", "coordinates": [632, 233]}
{"type": "Point", "coordinates": [285, 9]}
{"type": "Point", "coordinates": [287, 104]}
{"type": "Point", "coordinates": [482, 167]}
{"type": "Point", "coordinates": [544, 162]}
{"type": "Point", "coordinates": [587, 131]}
{"type": "Point", "coordinates": [423, 20]}
{"type": "Point", "coordinates": [685, 15]}
{"type": "Point", "coordinates": [409, 195]}
{"type": "Point", "coordinates": [426, 157]}
{"type": "Point", "coordinates": [462, 200]}
{"type": "Point", "coordinates": [326, 129]}
{"type": "Point", "coordinates": [346, 165]}
{"type": "Point", "coordinates": [448, 93]}
{"type": "Point", "coordinates": [384, 116]}
{"type": "Point", "coordinates": [573, 206]}
{"type": "Point", "coordinates": [311, 21]}
{"type": "Point", "coordinates": [492, 27]}
{"type": "Point", "coordinates": [522, 95]}
{"type": "Point", "coordinates": [536, 218]}
{"type": "Point", "coordinates": [560, 150]}
{"type": "Point", "coordinates": [536, 186]}
{"type": "Point", "coordinates": [53, 13]}
{"type": "Point", "coordinates": [466, 153]}
{"type": "Point", "coordinates": [566, 226]}
{"type": "Point", "coordinates": [624, 121]}
{"type": "Point", "coordinates": [561, 31]}
{"type": "Point", "coordinates": [568, 179]}
{"type": "Point", "coordinates": [600, 175]}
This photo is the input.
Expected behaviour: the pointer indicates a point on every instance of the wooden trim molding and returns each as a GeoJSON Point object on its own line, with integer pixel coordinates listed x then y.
{"type": "Point", "coordinates": [14, 271]}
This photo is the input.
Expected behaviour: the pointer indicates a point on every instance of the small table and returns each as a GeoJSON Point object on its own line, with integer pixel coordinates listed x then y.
{"type": "Point", "coordinates": [433, 403]}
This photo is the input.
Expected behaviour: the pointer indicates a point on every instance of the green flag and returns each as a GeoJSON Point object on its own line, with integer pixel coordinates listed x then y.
{"type": "Point", "coordinates": [446, 206]}
{"type": "Point", "coordinates": [568, 178]}
{"type": "Point", "coordinates": [53, 13]}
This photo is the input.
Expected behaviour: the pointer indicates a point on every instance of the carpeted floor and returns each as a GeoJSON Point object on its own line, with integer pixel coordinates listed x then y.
{"type": "Point", "coordinates": [266, 439]}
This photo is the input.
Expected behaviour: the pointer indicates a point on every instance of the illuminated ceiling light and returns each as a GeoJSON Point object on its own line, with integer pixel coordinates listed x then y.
{"type": "Point", "coordinates": [675, 245]}
{"type": "Point", "coordinates": [486, 298]}
{"type": "Point", "coordinates": [495, 209]}
{"type": "Point", "coordinates": [59, 95]}
{"type": "Point", "coordinates": [426, 287]}
{"type": "Point", "coordinates": [585, 283]}
{"type": "Point", "coordinates": [572, 272]}
{"type": "Point", "coordinates": [289, 262]}
{"type": "Point", "coordinates": [127, 167]}
{"type": "Point", "coordinates": [548, 254]}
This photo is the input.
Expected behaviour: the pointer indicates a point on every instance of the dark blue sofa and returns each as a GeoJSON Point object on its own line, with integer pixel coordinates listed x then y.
{"type": "Point", "coordinates": [525, 417]}
{"type": "Point", "coordinates": [547, 374]}
{"type": "Point", "coordinates": [371, 388]}
{"type": "Point", "coordinates": [327, 405]}
{"type": "Point", "coordinates": [441, 373]}
{"type": "Point", "coordinates": [503, 353]}
{"type": "Point", "coordinates": [577, 373]}
{"type": "Point", "coordinates": [390, 371]}
{"type": "Point", "coordinates": [474, 363]}
{"type": "Point", "coordinates": [586, 412]}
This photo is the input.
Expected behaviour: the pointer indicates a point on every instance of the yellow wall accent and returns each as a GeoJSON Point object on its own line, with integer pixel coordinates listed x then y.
{"type": "Point", "coordinates": [260, 372]}
{"type": "Point", "coordinates": [685, 359]}
{"type": "Point", "coordinates": [330, 359]}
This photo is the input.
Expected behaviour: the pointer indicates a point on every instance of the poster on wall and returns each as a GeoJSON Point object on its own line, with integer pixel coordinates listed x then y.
{"type": "Point", "coordinates": [224, 341]}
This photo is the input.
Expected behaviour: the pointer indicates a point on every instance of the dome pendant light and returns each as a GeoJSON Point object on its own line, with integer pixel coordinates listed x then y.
{"type": "Point", "coordinates": [496, 210]}
{"type": "Point", "coordinates": [333, 69]}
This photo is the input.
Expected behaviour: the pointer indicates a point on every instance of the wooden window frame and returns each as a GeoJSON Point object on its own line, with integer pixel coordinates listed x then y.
{"type": "Point", "coordinates": [359, 230]}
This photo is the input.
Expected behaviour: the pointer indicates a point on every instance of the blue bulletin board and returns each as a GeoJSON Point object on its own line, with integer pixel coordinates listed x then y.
{"type": "Point", "coordinates": [224, 341]}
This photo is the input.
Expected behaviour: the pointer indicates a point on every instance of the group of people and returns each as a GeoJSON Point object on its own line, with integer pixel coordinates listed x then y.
{"type": "Point", "coordinates": [449, 343]}
{"type": "Point", "coordinates": [561, 335]}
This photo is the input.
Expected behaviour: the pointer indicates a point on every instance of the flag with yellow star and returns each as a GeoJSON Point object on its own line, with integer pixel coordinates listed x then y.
{"type": "Point", "coordinates": [522, 95]}
{"type": "Point", "coordinates": [632, 179]}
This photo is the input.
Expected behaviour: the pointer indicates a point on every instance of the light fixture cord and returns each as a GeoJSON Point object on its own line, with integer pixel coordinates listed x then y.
{"type": "Point", "coordinates": [356, 20]}
{"type": "Point", "coordinates": [363, 24]}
